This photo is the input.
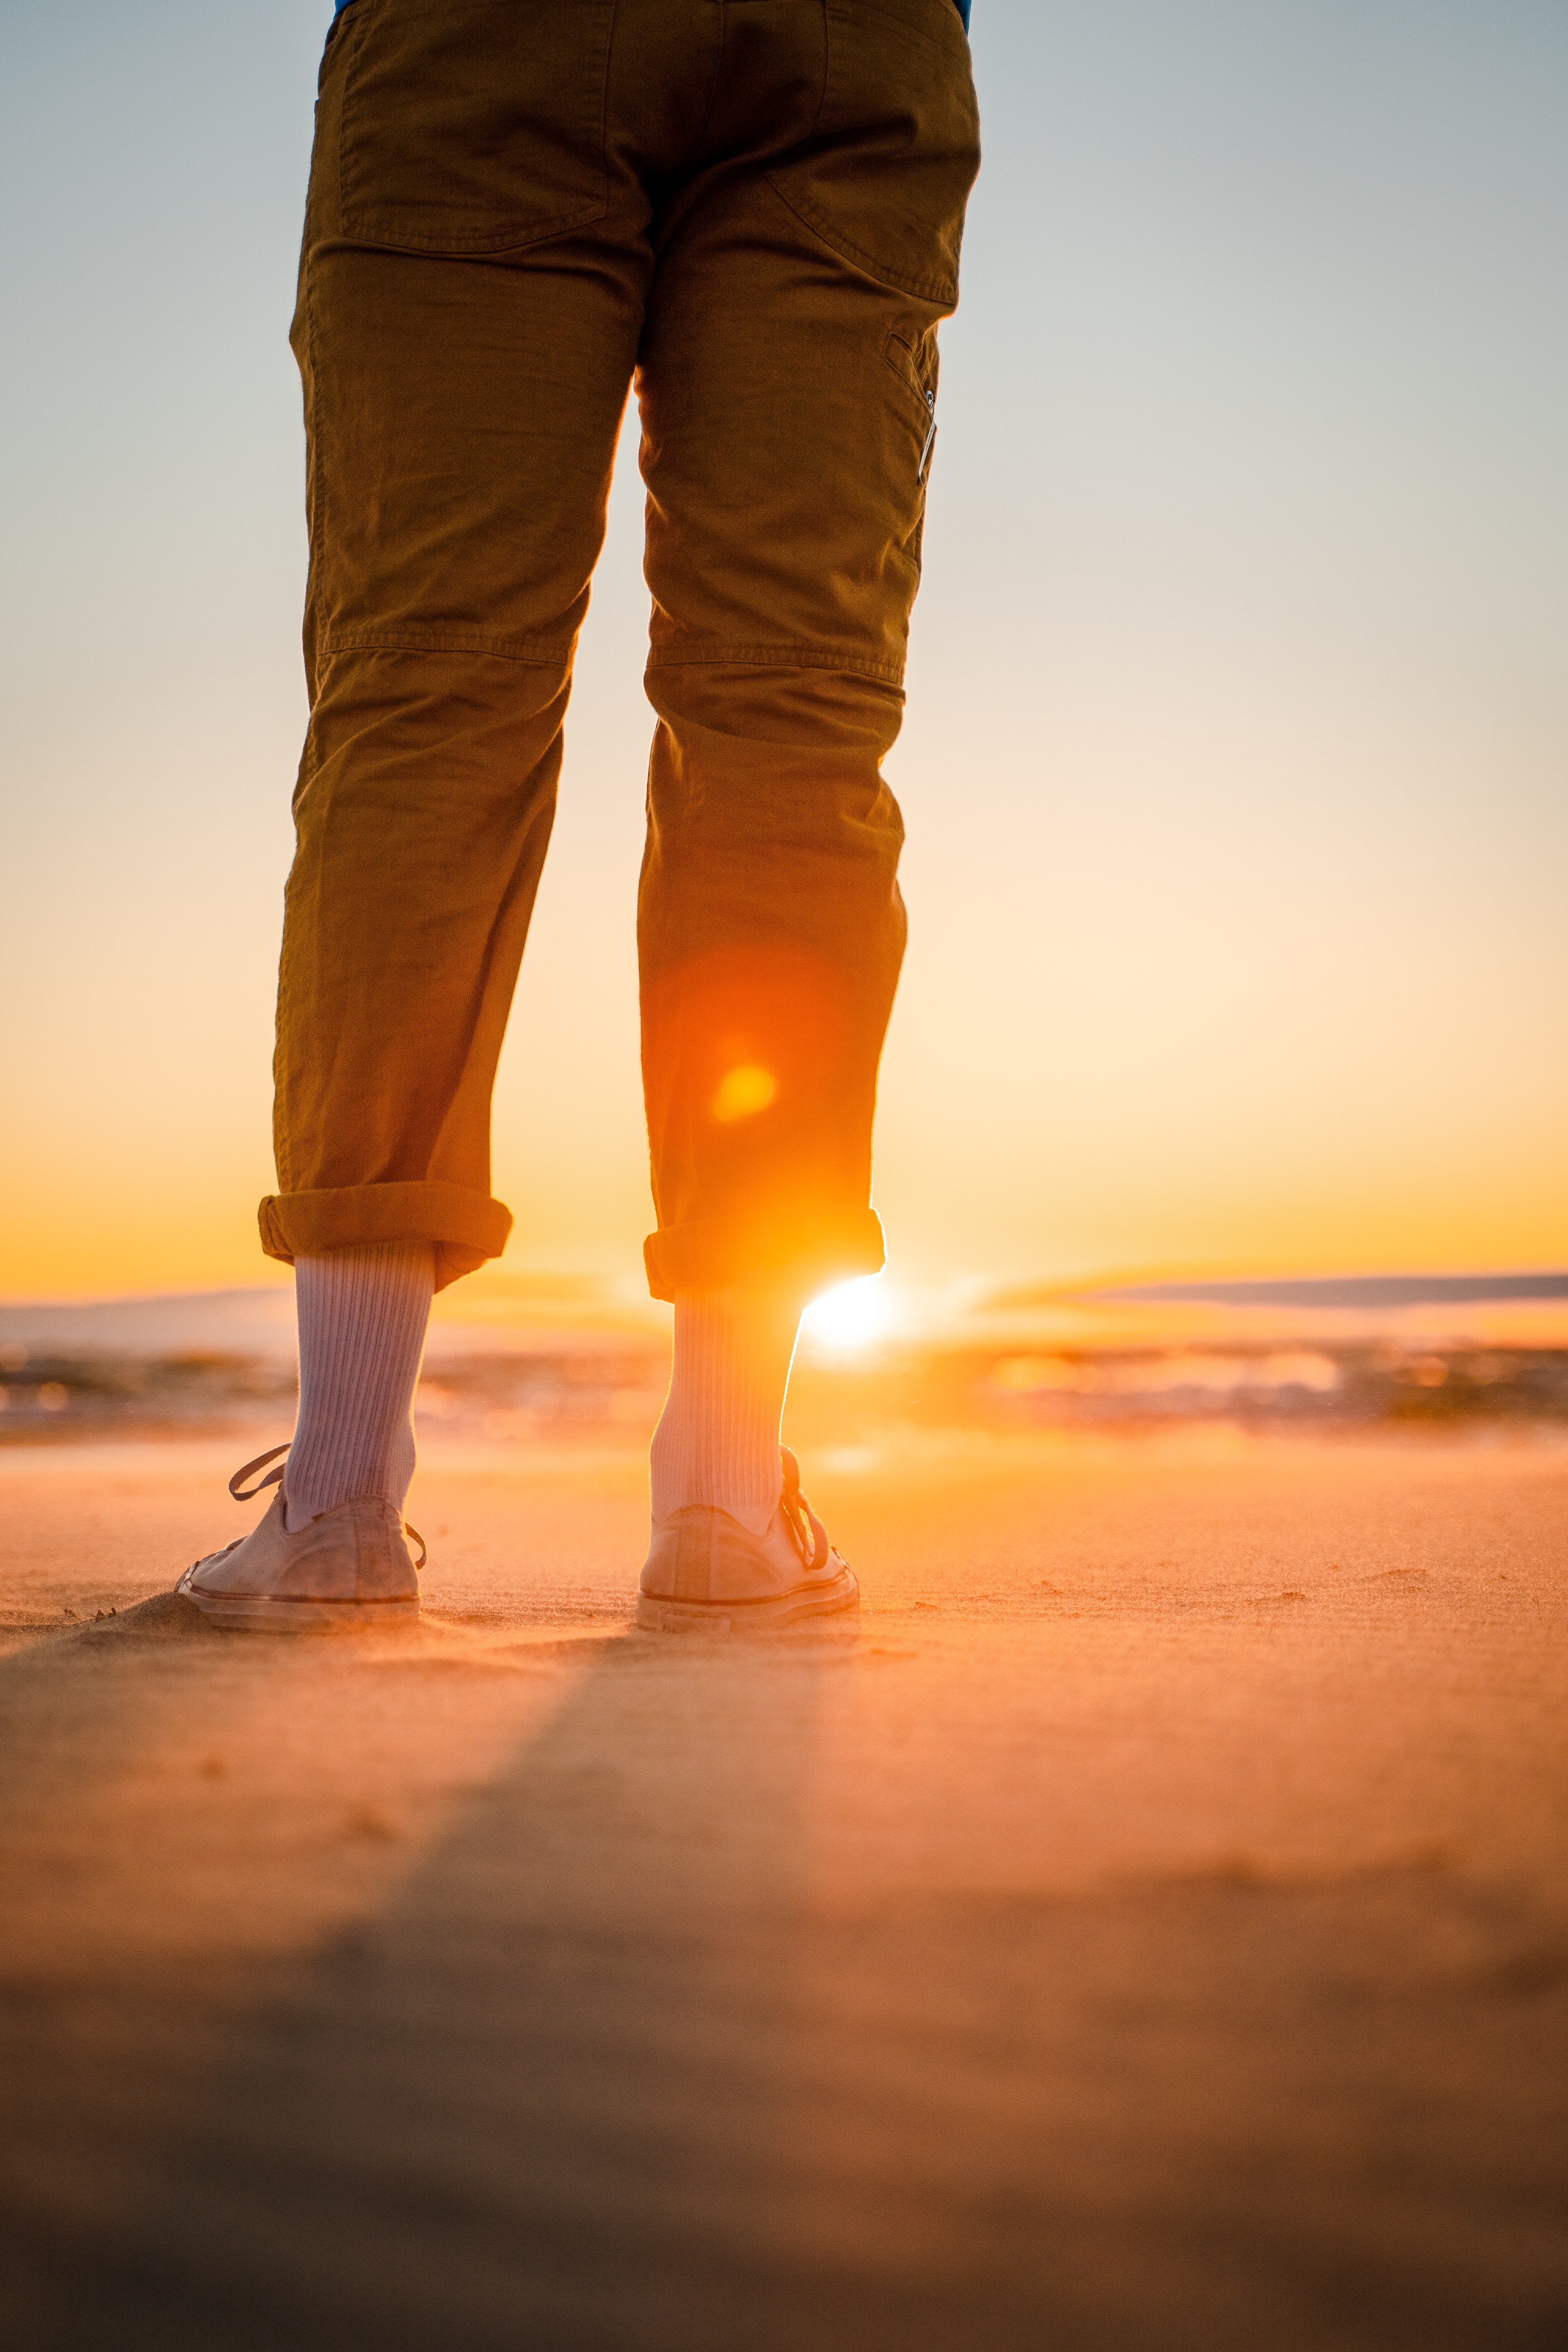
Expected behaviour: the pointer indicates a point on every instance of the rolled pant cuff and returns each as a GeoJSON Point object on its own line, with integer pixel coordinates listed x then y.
{"type": "Point", "coordinates": [711, 1253]}
{"type": "Point", "coordinates": [464, 1227]}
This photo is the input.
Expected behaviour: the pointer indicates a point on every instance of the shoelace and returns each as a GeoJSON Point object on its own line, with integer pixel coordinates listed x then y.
{"type": "Point", "coordinates": [243, 1493]}
{"type": "Point", "coordinates": [810, 1534]}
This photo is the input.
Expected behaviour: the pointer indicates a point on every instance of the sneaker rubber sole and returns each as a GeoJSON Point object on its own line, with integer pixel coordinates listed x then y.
{"type": "Point", "coordinates": [262, 1612]}
{"type": "Point", "coordinates": [765, 1616]}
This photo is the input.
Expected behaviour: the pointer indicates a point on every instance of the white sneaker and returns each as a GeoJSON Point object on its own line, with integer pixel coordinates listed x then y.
{"type": "Point", "coordinates": [705, 1570]}
{"type": "Point", "coordinates": [351, 1566]}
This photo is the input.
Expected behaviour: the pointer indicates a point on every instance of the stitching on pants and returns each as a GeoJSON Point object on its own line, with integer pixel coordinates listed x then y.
{"type": "Point", "coordinates": [537, 653]}
{"type": "Point", "coordinates": [724, 657]}
{"type": "Point", "coordinates": [318, 486]}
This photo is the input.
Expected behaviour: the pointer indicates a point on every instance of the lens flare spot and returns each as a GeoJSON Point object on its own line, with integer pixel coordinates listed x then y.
{"type": "Point", "coordinates": [743, 1092]}
{"type": "Point", "coordinates": [850, 1315]}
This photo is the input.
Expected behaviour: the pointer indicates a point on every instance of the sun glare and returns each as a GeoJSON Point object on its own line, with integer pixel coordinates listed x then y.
{"type": "Point", "coordinates": [850, 1315]}
{"type": "Point", "coordinates": [743, 1092]}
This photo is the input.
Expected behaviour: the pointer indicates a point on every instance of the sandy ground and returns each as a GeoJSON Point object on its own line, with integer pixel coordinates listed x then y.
{"type": "Point", "coordinates": [1148, 1927]}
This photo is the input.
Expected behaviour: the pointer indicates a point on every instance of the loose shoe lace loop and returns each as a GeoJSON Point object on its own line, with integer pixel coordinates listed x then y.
{"type": "Point", "coordinates": [273, 1478]}
{"type": "Point", "coordinates": [810, 1534]}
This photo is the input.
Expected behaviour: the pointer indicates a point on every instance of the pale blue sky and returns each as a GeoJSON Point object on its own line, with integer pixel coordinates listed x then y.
{"type": "Point", "coordinates": [1235, 760]}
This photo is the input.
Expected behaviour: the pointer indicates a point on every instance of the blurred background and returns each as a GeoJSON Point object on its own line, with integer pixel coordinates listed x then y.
{"type": "Point", "coordinates": [1233, 765]}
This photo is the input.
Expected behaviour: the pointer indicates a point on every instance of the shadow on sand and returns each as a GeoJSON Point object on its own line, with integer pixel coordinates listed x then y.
{"type": "Point", "coordinates": [598, 2074]}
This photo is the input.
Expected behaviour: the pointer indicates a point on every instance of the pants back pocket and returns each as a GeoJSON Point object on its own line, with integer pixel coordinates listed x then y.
{"type": "Point", "coordinates": [470, 126]}
{"type": "Point", "coordinates": [885, 178]}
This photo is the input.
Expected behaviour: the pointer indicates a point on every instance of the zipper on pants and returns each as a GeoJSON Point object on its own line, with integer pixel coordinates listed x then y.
{"type": "Point", "coordinates": [931, 437]}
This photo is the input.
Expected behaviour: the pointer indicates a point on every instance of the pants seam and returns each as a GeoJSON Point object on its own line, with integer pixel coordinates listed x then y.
{"type": "Point", "coordinates": [727, 657]}
{"type": "Point", "coordinates": [536, 653]}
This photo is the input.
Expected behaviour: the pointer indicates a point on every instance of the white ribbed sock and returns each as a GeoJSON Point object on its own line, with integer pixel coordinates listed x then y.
{"type": "Point", "coordinates": [361, 1314]}
{"type": "Point", "coordinates": [717, 1437]}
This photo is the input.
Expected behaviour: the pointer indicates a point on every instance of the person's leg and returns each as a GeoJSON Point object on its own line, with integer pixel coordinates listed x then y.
{"type": "Point", "coordinates": [465, 365]}
{"type": "Point", "coordinates": [465, 357]}
{"type": "Point", "coordinates": [787, 378]}
{"type": "Point", "coordinates": [718, 1438]}
{"type": "Point", "coordinates": [362, 1315]}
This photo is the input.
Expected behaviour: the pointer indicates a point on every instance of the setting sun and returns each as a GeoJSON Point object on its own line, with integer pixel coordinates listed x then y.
{"type": "Point", "coordinates": [850, 1315]}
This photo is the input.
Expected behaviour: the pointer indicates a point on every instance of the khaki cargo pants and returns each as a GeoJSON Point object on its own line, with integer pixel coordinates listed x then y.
{"type": "Point", "coordinates": [518, 208]}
